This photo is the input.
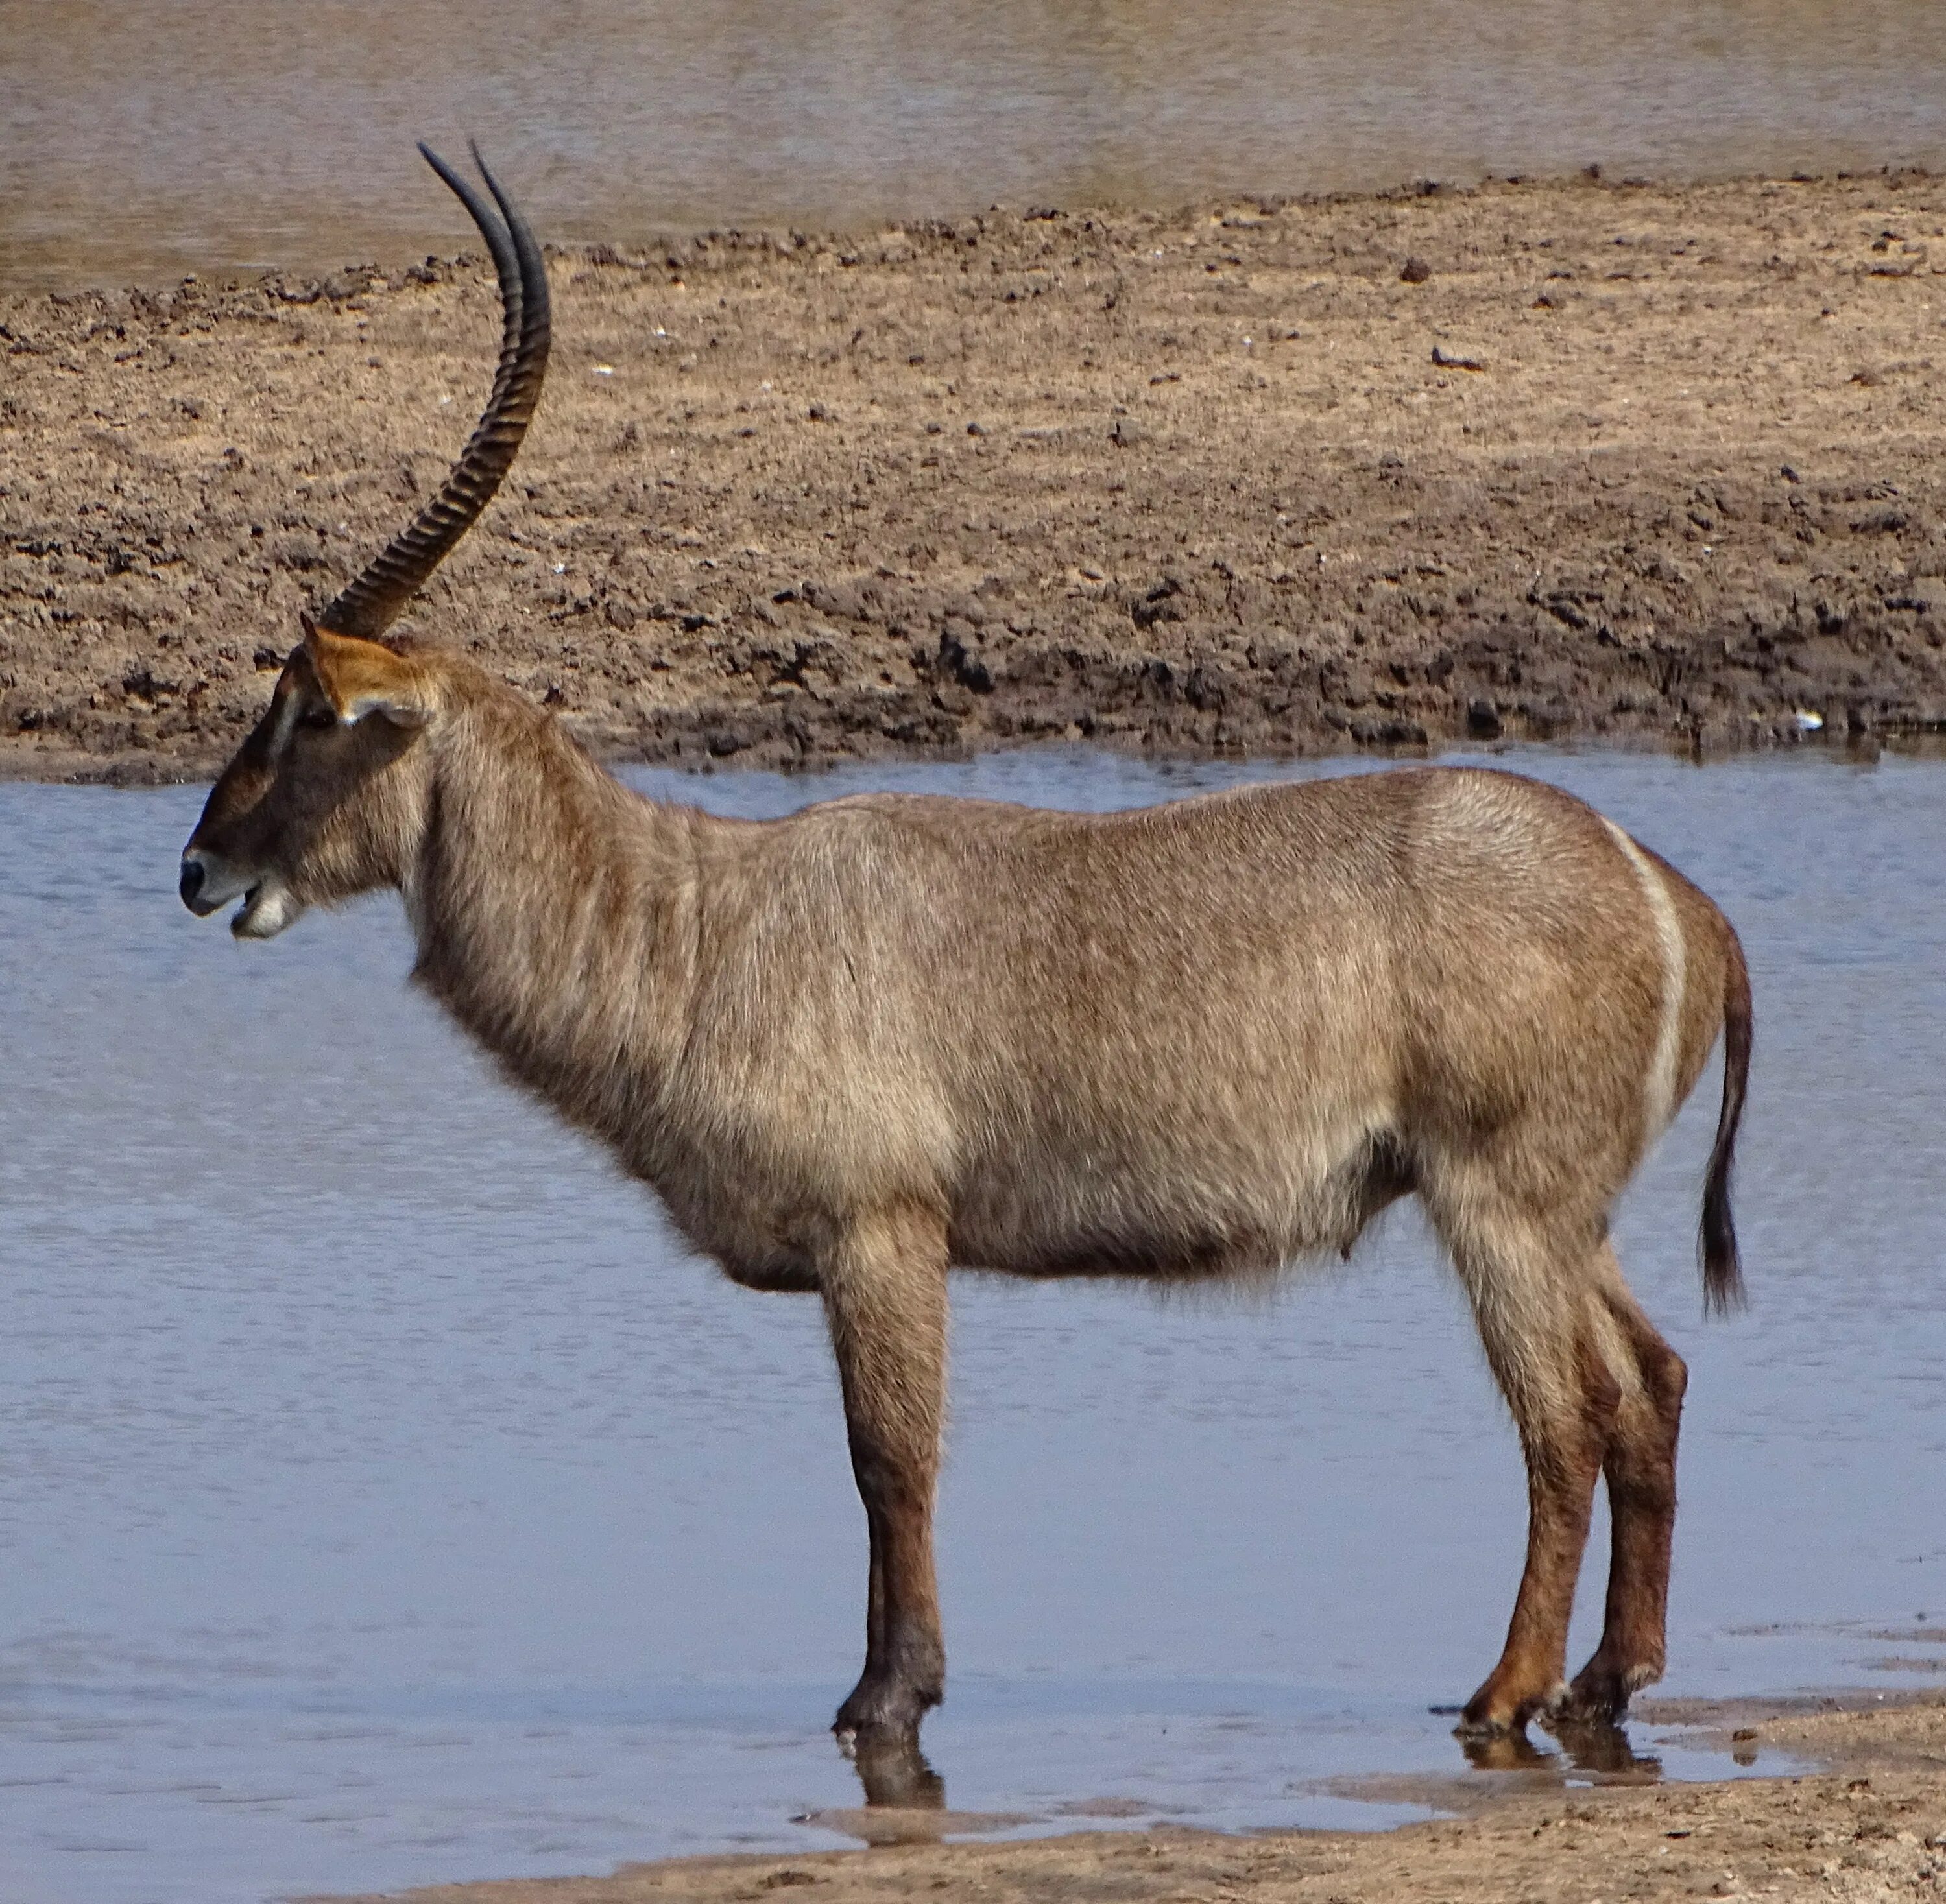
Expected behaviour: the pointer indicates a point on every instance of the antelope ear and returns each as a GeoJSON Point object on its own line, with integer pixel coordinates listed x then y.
{"type": "Point", "coordinates": [360, 678]}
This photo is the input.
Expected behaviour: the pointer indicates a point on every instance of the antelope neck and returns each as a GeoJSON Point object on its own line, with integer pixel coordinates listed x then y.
{"type": "Point", "coordinates": [554, 913]}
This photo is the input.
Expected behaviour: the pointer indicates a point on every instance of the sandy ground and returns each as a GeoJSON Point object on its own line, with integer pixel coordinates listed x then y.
{"type": "Point", "coordinates": [1872, 1825]}
{"type": "Point", "coordinates": [1541, 459]}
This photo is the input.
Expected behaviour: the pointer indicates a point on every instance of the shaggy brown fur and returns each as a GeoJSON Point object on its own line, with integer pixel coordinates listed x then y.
{"type": "Point", "coordinates": [890, 1034]}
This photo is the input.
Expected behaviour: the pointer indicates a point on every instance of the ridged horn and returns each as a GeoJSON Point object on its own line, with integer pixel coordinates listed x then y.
{"type": "Point", "coordinates": [371, 604]}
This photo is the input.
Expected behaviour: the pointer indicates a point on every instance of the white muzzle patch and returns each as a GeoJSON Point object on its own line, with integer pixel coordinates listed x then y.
{"type": "Point", "coordinates": [268, 907]}
{"type": "Point", "coordinates": [210, 883]}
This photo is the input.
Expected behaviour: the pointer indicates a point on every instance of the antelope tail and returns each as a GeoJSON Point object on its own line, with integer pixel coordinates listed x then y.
{"type": "Point", "coordinates": [1722, 1268]}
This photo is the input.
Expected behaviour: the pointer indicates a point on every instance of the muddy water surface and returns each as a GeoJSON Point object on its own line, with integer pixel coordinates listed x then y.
{"type": "Point", "coordinates": [383, 1498]}
{"type": "Point", "coordinates": [150, 137]}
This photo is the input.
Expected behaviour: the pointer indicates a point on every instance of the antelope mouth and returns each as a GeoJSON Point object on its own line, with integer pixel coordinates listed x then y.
{"type": "Point", "coordinates": [264, 906]}
{"type": "Point", "coordinates": [268, 907]}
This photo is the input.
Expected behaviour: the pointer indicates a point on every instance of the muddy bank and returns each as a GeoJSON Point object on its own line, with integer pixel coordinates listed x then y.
{"type": "Point", "coordinates": [1544, 460]}
{"type": "Point", "coordinates": [1872, 1824]}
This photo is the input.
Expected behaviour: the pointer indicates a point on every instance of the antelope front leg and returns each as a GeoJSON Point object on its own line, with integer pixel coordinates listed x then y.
{"type": "Point", "coordinates": [884, 1281]}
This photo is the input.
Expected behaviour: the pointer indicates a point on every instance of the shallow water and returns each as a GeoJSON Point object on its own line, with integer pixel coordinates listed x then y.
{"type": "Point", "coordinates": [384, 1499]}
{"type": "Point", "coordinates": [149, 136]}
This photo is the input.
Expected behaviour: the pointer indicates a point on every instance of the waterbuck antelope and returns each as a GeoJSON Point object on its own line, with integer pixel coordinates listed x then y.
{"type": "Point", "coordinates": [891, 1034]}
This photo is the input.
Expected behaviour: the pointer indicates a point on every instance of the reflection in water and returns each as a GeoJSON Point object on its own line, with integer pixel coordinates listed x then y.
{"type": "Point", "coordinates": [1601, 1746]}
{"type": "Point", "coordinates": [154, 136]}
{"type": "Point", "coordinates": [894, 1772]}
{"type": "Point", "coordinates": [905, 1798]}
{"type": "Point", "coordinates": [1594, 1746]}
{"type": "Point", "coordinates": [1581, 1754]}
{"type": "Point", "coordinates": [383, 1498]}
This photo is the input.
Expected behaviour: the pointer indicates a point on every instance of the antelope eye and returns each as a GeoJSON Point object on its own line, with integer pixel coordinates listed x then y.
{"type": "Point", "coordinates": [317, 718]}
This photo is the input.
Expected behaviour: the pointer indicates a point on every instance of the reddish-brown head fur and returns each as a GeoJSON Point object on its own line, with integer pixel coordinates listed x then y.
{"type": "Point", "coordinates": [323, 800]}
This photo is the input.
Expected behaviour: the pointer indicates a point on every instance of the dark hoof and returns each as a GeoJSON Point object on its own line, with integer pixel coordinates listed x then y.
{"type": "Point", "coordinates": [1479, 1720]}
{"type": "Point", "coordinates": [1600, 1692]}
{"type": "Point", "coordinates": [886, 1706]}
{"type": "Point", "coordinates": [1600, 1704]}
{"type": "Point", "coordinates": [1476, 1725]}
{"type": "Point", "coordinates": [894, 1772]}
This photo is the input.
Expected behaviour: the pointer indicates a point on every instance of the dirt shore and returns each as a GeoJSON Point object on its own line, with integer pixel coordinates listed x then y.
{"type": "Point", "coordinates": [1870, 1826]}
{"type": "Point", "coordinates": [1547, 460]}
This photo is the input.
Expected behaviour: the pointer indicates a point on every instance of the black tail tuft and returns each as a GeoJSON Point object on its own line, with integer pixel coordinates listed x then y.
{"type": "Point", "coordinates": [1722, 1269]}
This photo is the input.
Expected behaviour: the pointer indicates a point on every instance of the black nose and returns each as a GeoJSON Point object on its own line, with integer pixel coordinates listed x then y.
{"type": "Point", "coordinates": [190, 885]}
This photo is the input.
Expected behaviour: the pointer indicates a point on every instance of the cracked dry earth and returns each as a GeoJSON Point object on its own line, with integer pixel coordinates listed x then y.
{"type": "Point", "coordinates": [1871, 1827]}
{"type": "Point", "coordinates": [1543, 460]}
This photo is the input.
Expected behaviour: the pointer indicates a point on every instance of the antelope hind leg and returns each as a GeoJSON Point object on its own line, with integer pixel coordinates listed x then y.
{"type": "Point", "coordinates": [884, 1284]}
{"type": "Point", "coordinates": [1528, 1286]}
{"type": "Point", "coordinates": [1640, 1470]}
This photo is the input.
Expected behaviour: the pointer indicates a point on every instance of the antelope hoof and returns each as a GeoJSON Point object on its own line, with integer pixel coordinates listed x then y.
{"type": "Point", "coordinates": [1490, 1714]}
{"type": "Point", "coordinates": [882, 1709]}
{"type": "Point", "coordinates": [1483, 1726]}
{"type": "Point", "coordinates": [1600, 1692]}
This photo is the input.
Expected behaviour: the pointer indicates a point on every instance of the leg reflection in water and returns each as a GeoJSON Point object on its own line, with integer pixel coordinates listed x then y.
{"type": "Point", "coordinates": [905, 1798]}
{"type": "Point", "coordinates": [1593, 1745]}
{"type": "Point", "coordinates": [894, 1772]}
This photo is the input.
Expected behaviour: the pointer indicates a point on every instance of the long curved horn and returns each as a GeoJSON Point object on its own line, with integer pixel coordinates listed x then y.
{"type": "Point", "coordinates": [372, 603]}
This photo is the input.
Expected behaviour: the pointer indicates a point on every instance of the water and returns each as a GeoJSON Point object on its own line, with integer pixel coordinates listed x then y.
{"type": "Point", "coordinates": [384, 1499]}
{"type": "Point", "coordinates": [150, 137]}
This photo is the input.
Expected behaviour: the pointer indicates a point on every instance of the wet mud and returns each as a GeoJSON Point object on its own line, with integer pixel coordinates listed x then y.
{"type": "Point", "coordinates": [1540, 461]}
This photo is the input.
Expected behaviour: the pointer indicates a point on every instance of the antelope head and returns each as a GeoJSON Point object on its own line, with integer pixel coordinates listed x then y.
{"type": "Point", "coordinates": [324, 799]}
